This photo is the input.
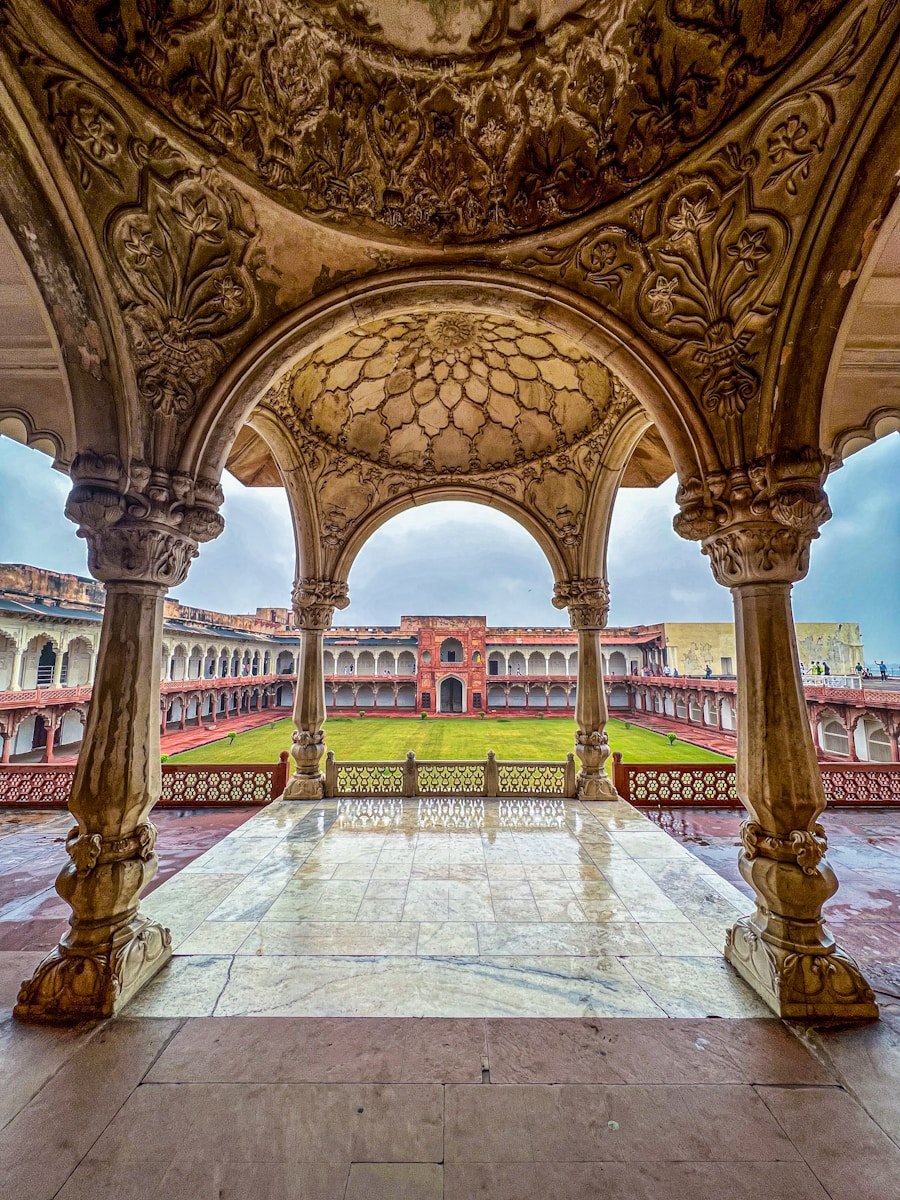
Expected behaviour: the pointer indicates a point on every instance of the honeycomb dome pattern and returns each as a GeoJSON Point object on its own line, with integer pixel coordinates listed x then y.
{"type": "Point", "coordinates": [451, 392]}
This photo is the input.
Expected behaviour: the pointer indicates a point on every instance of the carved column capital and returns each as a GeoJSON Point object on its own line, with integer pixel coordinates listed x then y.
{"type": "Point", "coordinates": [756, 523]}
{"type": "Point", "coordinates": [586, 599]}
{"type": "Point", "coordinates": [314, 601]}
{"type": "Point", "coordinates": [142, 525]}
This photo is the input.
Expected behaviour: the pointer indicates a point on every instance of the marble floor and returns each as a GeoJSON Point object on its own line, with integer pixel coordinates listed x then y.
{"type": "Point", "coordinates": [447, 908]}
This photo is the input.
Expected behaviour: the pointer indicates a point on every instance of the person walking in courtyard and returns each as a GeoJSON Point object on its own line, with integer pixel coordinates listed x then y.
{"type": "Point", "coordinates": [882, 669]}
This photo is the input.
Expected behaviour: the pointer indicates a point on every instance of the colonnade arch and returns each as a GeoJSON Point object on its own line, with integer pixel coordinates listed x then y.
{"type": "Point", "coordinates": [716, 367]}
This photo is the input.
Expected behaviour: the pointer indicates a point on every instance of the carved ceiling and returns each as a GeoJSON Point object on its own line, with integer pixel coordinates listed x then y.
{"type": "Point", "coordinates": [450, 121]}
{"type": "Point", "coordinates": [450, 393]}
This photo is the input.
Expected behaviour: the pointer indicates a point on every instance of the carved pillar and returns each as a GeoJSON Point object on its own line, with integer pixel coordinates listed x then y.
{"type": "Point", "coordinates": [52, 721]}
{"type": "Point", "coordinates": [850, 724]}
{"type": "Point", "coordinates": [16, 678]}
{"type": "Point", "coordinates": [894, 739]}
{"type": "Point", "coordinates": [756, 526]}
{"type": "Point", "coordinates": [9, 727]}
{"type": "Point", "coordinates": [314, 603]}
{"type": "Point", "coordinates": [588, 603]}
{"type": "Point", "coordinates": [142, 530]}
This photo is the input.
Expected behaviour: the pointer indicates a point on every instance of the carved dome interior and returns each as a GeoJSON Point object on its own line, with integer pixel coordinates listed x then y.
{"type": "Point", "coordinates": [458, 121]}
{"type": "Point", "coordinates": [450, 392]}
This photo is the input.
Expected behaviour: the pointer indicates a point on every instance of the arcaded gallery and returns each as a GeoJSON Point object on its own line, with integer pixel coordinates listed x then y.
{"type": "Point", "coordinates": [379, 253]}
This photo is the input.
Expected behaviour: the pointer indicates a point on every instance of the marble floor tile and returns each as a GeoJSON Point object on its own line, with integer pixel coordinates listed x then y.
{"type": "Point", "coordinates": [447, 938]}
{"type": "Point", "coordinates": [380, 910]}
{"type": "Point", "coordinates": [695, 987]}
{"type": "Point", "coordinates": [679, 938]}
{"type": "Point", "coordinates": [505, 907]}
{"type": "Point", "coordinates": [431, 987]}
{"type": "Point", "coordinates": [185, 987]}
{"type": "Point", "coordinates": [217, 937]}
{"type": "Point", "coordinates": [563, 938]}
{"type": "Point", "coordinates": [331, 937]}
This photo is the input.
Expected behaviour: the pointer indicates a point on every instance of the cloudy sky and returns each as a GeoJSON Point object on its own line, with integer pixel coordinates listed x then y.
{"type": "Point", "coordinates": [462, 558]}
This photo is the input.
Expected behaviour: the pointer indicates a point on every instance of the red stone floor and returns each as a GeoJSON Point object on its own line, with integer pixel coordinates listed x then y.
{"type": "Point", "coordinates": [32, 842]}
{"type": "Point", "coordinates": [864, 850]}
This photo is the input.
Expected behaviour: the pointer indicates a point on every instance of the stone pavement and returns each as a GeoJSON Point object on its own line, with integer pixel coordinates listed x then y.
{"type": "Point", "coordinates": [447, 908]}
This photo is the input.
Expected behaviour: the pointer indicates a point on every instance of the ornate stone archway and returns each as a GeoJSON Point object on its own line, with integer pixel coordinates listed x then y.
{"type": "Point", "coordinates": [208, 206]}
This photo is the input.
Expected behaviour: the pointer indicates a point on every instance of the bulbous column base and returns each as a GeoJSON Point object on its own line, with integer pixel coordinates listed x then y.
{"type": "Point", "coordinates": [75, 984]}
{"type": "Point", "coordinates": [596, 787]}
{"type": "Point", "coordinates": [305, 787]}
{"type": "Point", "coordinates": [799, 981]}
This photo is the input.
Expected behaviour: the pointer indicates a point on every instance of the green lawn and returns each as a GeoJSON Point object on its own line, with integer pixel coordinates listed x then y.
{"type": "Point", "coordinates": [390, 738]}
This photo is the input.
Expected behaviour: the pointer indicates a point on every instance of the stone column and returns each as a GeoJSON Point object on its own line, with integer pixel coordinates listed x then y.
{"type": "Point", "coordinates": [9, 727]}
{"type": "Point", "coordinates": [588, 603]}
{"type": "Point", "coordinates": [16, 679]}
{"type": "Point", "coordinates": [314, 603]}
{"type": "Point", "coordinates": [756, 526]}
{"type": "Point", "coordinates": [142, 530]}
{"type": "Point", "coordinates": [52, 721]}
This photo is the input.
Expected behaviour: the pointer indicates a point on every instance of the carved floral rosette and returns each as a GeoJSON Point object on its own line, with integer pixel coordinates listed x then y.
{"type": "Point", "coordinates": [587, 601]}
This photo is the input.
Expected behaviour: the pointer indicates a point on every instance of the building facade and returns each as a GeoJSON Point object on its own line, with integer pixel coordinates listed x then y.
{"type": "Point", "coordinates": [214, 666]}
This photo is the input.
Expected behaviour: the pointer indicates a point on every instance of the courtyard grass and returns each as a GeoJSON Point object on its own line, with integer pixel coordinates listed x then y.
{"type": "Point", "coordinates": [373, 738]}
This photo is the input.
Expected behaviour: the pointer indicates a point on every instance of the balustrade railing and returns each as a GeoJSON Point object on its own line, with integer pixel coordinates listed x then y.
{"type": "Point", "coordinates": [712, 785]}
{"type": "Point", "coordinates": [184, 785]}
{"type": "Point", "coordinates": [477, 777]}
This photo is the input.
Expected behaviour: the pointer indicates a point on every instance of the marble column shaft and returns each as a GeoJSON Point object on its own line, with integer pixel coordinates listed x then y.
{"type": "Point", "coordinates": [314, 603]}
{"type": "Point", "coordinates": [142, 530]}
{"type": "Point", "coordinates": [757, 538]}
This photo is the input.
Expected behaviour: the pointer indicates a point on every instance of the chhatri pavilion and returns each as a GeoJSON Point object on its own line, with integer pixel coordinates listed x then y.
{"type": "Point", "coordinates": [385, 252]}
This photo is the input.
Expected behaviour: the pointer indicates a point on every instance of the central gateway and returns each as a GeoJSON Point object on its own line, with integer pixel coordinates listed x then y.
{"type": "Point", "coordinates": [451, 697]}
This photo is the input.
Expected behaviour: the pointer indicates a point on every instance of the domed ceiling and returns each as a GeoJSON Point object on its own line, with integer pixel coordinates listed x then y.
{"type": "Point", "coordinates": [447, 120]}
{"type": "Point", "coordinates": [449, 393]}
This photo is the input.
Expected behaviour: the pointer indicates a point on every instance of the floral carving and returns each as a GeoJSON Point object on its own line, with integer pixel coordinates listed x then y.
{"type": "Point", "coordinates": [756, 523]}
{"type": "Point", "coordinates": [587, 601]}
{"type": "Point", "coordinates": [184, 287]}
{"type": "Point", "coordinates": [497, 122]}
{"type": "Point", "coordinates": [139, 524]}
{"type": "Point", "coordinates": [314, 602]}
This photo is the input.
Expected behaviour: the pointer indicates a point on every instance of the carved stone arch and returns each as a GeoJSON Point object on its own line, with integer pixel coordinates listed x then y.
{"type": "Point", "coordinates": [40, 209]}
{"type": "Point", "coordinates": [467, 287]}
{"type": "Point", "coordinates": [300, 493]}
{"type": "Point", "coordinates": [604, 491]}
{"type": "Point", "coordinates": [346, 553]}
{"type": "Point", "coordinates": [840, 234]}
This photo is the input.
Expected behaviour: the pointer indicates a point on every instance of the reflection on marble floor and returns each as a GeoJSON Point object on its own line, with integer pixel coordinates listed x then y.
{"type": "Point", "coordinates": [447, 908]}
